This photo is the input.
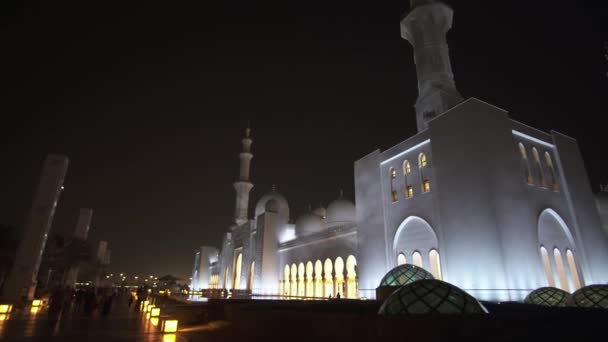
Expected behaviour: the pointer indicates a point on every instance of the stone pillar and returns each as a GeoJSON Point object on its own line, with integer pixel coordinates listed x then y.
{"type": "Point", "coordinates": [81, 233]}
{"type": "Point", "coordinates": [425, 27]}
{"type": "Point", "coordinates": [22, 279]}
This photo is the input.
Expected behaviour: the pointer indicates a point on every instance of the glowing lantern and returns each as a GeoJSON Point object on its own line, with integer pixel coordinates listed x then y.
{"type": "Point", "coordinates": [5, 308]}
{"type": "Point", "coordinates": [3, 317]}
{"type": "Point", "coordinates": [155, 312]}
{"type": "Point", "coordinates": [34, 310]}
{"type": "Point", "coordinates": [169, 338]}
{"type": "Point", "coordinates": [149, 307]}
{"type": "Point", "coordinates": [154, 321]}
{"type": "Point", "coordinates": [36, 302]}
{"type": "Point", "coordinates": [170, 326]}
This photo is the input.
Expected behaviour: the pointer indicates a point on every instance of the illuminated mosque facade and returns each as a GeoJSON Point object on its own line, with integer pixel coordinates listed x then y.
{"type": "Point", "coordinates": [498, 211]}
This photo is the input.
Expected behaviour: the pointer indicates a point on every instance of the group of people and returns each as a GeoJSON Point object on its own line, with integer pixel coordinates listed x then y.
{"type": "Point", "coordinates": [83, 300]}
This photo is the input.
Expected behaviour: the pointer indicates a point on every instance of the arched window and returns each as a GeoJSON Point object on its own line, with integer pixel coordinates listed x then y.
{"type": "Point", "coordinates": [251, 275]}
{"type": "Point", "coordinates": [293, 286]}
{"type": "Point", "coordinates": [526, 164]}
{"type": "Point", "coordinates": [393, 176]}
{"type": "Point", "coordinates": [237, 272]}
{"type": "Point", "coordinates": [553, 179]}
{"type": "Point", "coordinates": [561, 272]}
{"type": "Point", "coordinates": [339, 276]}
{"type": "Point", "coordinates": [547, 266]}
{"type": "Point", "coordinates": [539, 168]}
{"type": "Point", "coordinates": [286, 283]}
{"type": "Point", "coordinates": [424, 179]}
{"type": "Point", "coordinates": [329, 281]}
{"type": "Point", "coordinates": [301, 284]}
{"type": "Point", "coordinates": [318, 279]}
{"type": "Point", "coordinates": [417, 259]}
{"type": "Point", "coordinates": [351, 277]}
{"type": "Point", "coordinates": [401, 259]}
{"type": "Point", "coordinates": [435, 264]}
{"type": "Point", "coordinates": [407, 171]}
{"type": "Point", "coordinates": [309, 279]}
{"type": "Point", "coordinates": [576, 281]}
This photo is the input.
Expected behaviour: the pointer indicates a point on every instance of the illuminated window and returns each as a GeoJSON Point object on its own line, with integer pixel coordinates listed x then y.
{"type": "Point", "coordinates": [318, 279]}
{"type": "Point", "coordinates": [328, 288]}
{"type": "Point", "coordinates": [539, 168]}
{"type": "Point", "coordinates": [526, 164]}
{"type": "Point", "coordinates": [393, 175]}
{"type": "Point", "coordinates": [401, 259]}
{"type": "Point", "coordinates": [309, 280]}
{"type": "Point", "coordinates": [352, 290]}
{"type": "Point", "coordinates": [301, 283]}
{"type": "Point", "coordinates": [426, 186]}
{"type": "Point", "coordinates": [435, 264]}
{"type": "Point", "coordinates": [417, 259]}
{"type": "Point", "coordinates": [553, 180]}
{"type": "Point", "coordinates": [547, 265]}
{"type": "Point", "coordinates": [407, 170]}
{"type": "Point", "coordinates": [422, 162]}
{"type": "Point", "coordinates": [561, 272]}
{"type": "Point", "coordinates": [576, 281]}
{"type": "Point", "coordinates": [286, 285]}
{"type": "Point", "coordinates": [237, 271]}
{"type": "Point", "coordinates": [293, 286]}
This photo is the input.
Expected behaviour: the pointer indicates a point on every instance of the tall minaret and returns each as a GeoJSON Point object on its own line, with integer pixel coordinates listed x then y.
{"type": "Point", "coordinates": [425, 27]}
{"type": "Point", "coordinates": [243, 185]}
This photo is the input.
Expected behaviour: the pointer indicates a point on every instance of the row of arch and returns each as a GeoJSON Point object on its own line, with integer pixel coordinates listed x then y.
{"type": "Point", "coordinates": [214, 281]}
{"type": "Point", "coordinates": [408, 189]}
{"type": "Point", "coordinates": [567, 274]}
{"type": "Point", "coordinates": [434, 261]}
{"type": "Point", "coordinates": [545, 174]}
{"type": "Point", "coordinates": [327, 279]}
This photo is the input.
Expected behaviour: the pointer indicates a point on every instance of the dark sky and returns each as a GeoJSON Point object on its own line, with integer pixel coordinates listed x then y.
{"type": "Point", "coordinates": [150, 101]}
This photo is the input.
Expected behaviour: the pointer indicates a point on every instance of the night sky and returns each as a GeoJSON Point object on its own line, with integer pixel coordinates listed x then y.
{"type": "Point", "coordinates": [150, 101]}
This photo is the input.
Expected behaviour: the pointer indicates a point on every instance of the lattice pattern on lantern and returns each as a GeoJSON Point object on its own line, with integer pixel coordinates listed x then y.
{"type": "Point", "coordinates": [548, 296]}
{"type": "Point", "coordinates": [430, 296]}
{"type": "Point", "coordinates": [405, 274]}
{"type": "Point", "coordinates": [592, 296]}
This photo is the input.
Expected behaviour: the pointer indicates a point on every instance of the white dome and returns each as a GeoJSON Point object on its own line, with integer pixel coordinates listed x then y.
{"type": "Point", "coordinates": [308, 223]}
{"type": "Point", "coordinates": [341, 211]}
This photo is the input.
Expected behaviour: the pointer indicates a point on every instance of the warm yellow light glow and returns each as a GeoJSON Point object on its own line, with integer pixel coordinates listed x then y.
{"type": "Point", "coordinates": [145, 303]}
{"type": "Point", "coordinates": [34, 309]}
{"type": "Point", "coordinates": [169, 338]}
{"type": "Point", "coordinates": [149, 307]}
{"type": "Point", "coordinates": [155, 312]}
{"type": "Point", "coordinates": [36, 302]}
{"type": "Point", "coordinates": [3, 317]}
{"type": "Point", "coordinates": [410, 191]}
{"type": "Point", "coordinates": [170, 326]}
{"type": "Point", "coordinates": [154, 321]}
{"type": "Point", "coordinates": [422, 161]}
{"type": "Point", "coordinates": [5, 308]}
{"type": "Point", "coordinates": [161, 291]}
{"type": "Point", "coordinates": [426, 185]}
{"type": "Point", "coordinates": [147, 315]}
{"type": "Point", "coordinates": [572, 265]}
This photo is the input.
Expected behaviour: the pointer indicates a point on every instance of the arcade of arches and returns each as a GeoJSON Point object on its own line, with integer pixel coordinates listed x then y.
{"type": "Point", "coordinates": [321, 279]}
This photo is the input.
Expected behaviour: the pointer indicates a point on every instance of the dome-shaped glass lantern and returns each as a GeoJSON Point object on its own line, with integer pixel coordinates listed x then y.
{"type": "Point", "coordinates": [405, 274]}
{"type": "Point", "coordinates": [592, 296]}
{"type": "Point", "coordinates": [548, 296]}
{"type": "Point", "coordinates": [430, 296]}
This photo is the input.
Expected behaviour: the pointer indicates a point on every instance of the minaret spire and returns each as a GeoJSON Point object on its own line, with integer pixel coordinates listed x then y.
{"type": "Point", "coordinates": [243, 185]}
{"type": "Point", "coordinates": [425, 27]}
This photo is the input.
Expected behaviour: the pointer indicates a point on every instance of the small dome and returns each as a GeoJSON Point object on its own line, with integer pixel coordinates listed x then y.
{"type": "Point", "coordinates": [430, 296]}
{"type": "Point", "coordinates": [308, 223]}
{"type": "Point", "coordinates": [592, 296]}
{"type": "Point", "coordinates": [548, 296]}
{"type": "Point", "coordinates": [341, 211]}
{"type": "Point", "coordinates": [321, 212]}
{"type": "Point", "coordinates": [273, 202]}
{"type": "Point", "coordinates": [405, 274]}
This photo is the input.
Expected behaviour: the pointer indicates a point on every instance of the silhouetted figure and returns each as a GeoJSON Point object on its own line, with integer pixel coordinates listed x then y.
{"type": "Point", "coordinates": [107, 304]}
{"type": "Point", "coordinates": [90, 302]}
{"type": "Point", "coordinates": [338, 295]}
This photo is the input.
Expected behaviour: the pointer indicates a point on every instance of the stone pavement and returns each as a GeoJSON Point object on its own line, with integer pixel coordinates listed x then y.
{"type": "Point", "coordinates": [122, 324]}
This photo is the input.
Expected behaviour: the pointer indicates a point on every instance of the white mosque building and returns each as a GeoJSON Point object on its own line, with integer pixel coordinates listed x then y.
{"type": "Point", "coordinates": [479, 200]}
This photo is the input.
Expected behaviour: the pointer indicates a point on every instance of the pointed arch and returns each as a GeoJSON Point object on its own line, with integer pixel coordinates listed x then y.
{"type": "Point", "coordinates": [551, 170]}
{"type": "Point", "coordinates": [318, 279]}
{"type": "Point", "coordinates": [435, 262]}
{"type": "Point", "coordinates": [539, 168]}
{"type": "Point", "coordinates": [339, 276]}
{"type": "Point", "coordinates": [407, 172]}
{"type": "Point", "coordinates": [424, 178]}
{"type": "Point", "coordinates": [329, 283]}
{"type": "Point", "coordinates": [301, 283]}
{"type": "Point", "coordinates": [392, 174]}
{"type": "Point", "coordinates": [576, 280]}
{"type": "Point", "coordinates": [286, 281]}
{"type": "Point", "coordinates": [547, 266]}
{"type": "Point", "coordinates": [414, 234]}
{"type": "Point", "coordinates": [525, 164]}
{"type": "Point", "coordinates": [417, 259]}
{"type": "Point", "coordinates": [251, 276]}
{"type": "Point", "coordinates": [561, 271]}
{"type": "Point", "coordinates": [293, 286]}
{"type": "Point", "coordinates": [309, 279]}
{"type": "Point", "coordinates": [401, 259]}
{"type": "Point", "coordinates": [351, 277]}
